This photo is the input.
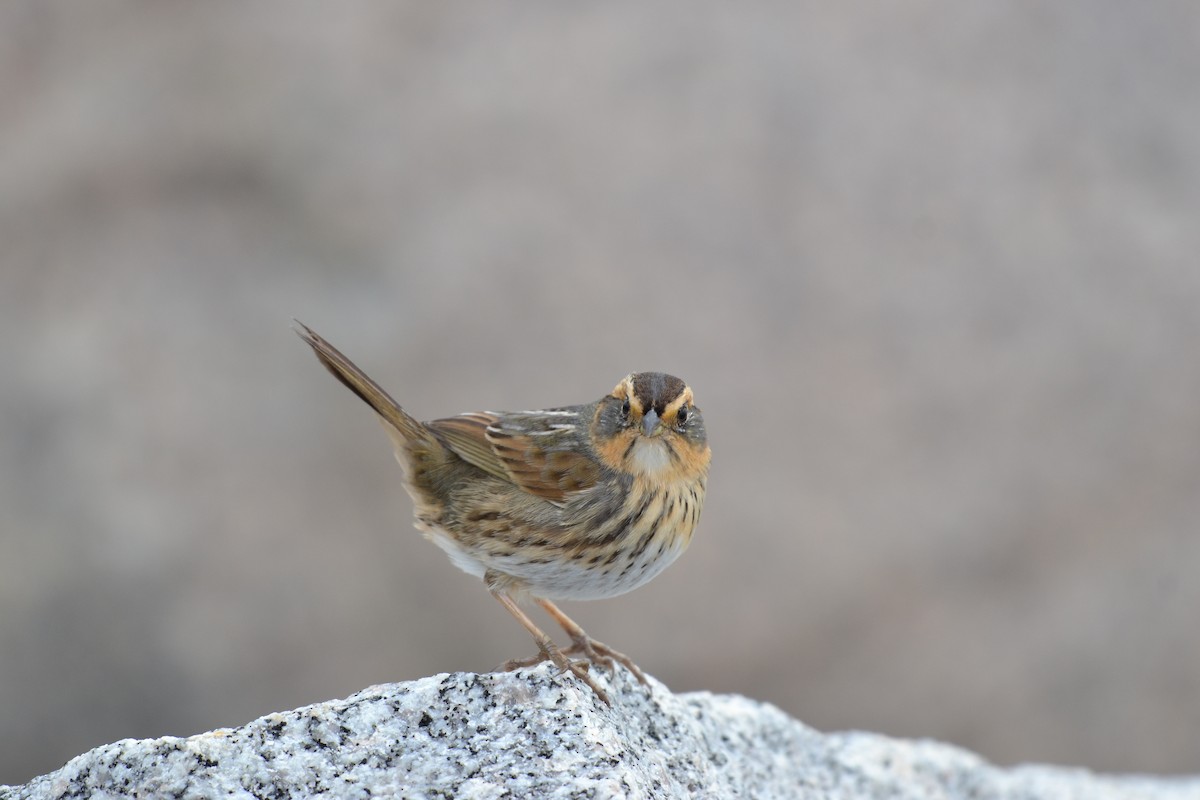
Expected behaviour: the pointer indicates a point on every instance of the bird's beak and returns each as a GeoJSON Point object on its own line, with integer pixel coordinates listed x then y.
{"type": "Point", "coordinates": [649, 422]}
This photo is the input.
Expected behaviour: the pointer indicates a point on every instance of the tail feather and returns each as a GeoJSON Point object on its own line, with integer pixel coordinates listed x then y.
{"type": "Point", "coordinates": [397, 420]}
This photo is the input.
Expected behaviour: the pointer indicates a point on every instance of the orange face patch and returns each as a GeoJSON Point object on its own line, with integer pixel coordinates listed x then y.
{"type": "Point", "coordinates": [674, 457]}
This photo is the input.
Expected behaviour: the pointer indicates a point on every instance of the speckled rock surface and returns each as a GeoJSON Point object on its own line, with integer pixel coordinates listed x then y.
{"type": "Point", "coordinates": [535, 734]}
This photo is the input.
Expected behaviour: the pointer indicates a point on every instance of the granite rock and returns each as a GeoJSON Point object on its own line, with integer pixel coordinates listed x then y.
{"type": "Point", "coordinates": [537, 734]}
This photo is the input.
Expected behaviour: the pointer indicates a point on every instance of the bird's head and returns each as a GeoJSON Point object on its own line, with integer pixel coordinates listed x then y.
{"type": "Point", "coordinates": [649, 425]}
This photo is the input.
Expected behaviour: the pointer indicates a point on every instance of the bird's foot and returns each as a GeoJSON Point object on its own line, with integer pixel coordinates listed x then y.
{"type": "Point", "coordinates": [548, 651]}
{"type": "Point", "coordinates": [600, 653]}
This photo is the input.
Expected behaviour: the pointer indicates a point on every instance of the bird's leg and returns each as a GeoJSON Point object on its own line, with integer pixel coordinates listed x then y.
{"type": "Point", "coordinates": [595, 651]}
{"type": "Point", "coordinates": [547, 649]}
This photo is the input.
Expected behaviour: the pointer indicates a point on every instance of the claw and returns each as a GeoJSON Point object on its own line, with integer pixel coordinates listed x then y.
{"type": "Point", "coordinates": [594, 651]}
{"type": "Point", "coordinates": [605, 656]}
{"type": "Point", "coordinates": [521, 663]}
{"type": "Point", "coordinates": [548, 651]}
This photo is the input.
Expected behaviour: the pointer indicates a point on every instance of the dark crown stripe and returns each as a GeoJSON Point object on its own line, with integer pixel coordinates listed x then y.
{"type": "Point", "coordinates": [657, 389]}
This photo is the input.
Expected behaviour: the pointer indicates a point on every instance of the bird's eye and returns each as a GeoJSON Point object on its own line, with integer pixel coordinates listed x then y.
{"type": "Point", "coordinates": [625, 408]}
{"type": "Point", "coordinates": [681, 416]}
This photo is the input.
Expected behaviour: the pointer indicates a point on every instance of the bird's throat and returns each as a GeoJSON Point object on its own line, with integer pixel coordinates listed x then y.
{"type": "Point", "coordinates": [650, 457]}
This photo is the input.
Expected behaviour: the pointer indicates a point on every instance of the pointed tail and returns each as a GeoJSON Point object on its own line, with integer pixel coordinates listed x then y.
{"type": "Point", "coordinates": [411, 432]}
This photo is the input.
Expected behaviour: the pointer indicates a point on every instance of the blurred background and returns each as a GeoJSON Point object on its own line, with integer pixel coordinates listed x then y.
{"type": "Point", "coordinates": [930, 267]}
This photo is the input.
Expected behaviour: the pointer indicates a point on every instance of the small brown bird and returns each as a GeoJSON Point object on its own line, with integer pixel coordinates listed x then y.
{"type": "Point", "coordinates": [572, 503]}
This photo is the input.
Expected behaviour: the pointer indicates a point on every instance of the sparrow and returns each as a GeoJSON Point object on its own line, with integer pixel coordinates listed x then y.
{"type": "Point", "coordinates": [578, 502]}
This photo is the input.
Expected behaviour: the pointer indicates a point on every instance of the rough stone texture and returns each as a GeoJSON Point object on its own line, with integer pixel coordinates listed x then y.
{"type": "Point", "coordinates": [930, 267]}
{"type": "Point", "coordinates": [534, 734]}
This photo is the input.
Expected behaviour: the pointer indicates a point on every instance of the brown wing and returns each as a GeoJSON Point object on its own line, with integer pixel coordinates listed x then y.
{"type": "Point", "coordinates": [544, 453]}
{"type": "Point", "coordinates": [466, 435]}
